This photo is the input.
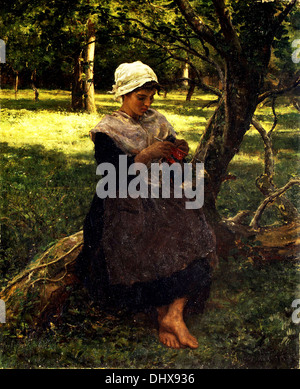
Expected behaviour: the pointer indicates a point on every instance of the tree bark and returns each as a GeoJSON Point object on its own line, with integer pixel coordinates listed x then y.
{"type": "Point", "coordinates": [269, 200]}
{"type": "Point", "coordinates": [33, 85]}
{"type": "Point", "coordinates": [185, 75]}
{"type": "Point", "coordinates": [265, 182]}
{"type": "Point", "coordinates": [16, 83]}
{"type": "Point", "coordinates": [225, 130]}
{"type": "Point", "coordinates": [89, 93]}
{"type": "Point", "coordinates": [77, 84]}
{"type": "Point", "coordinates": [37, 295]}
{"type": "Point", "coordinates": [192, 84]}
{"type": "Point", "coordinates": [190, 92]}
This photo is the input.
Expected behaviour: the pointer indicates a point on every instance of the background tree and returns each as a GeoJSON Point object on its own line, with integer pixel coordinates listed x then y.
{"type": "Point", "coordinates": [50, 40]}
{"type": "Point", "coordinates": [26, 53]}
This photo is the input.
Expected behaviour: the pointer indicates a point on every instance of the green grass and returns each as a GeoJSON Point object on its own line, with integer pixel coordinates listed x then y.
{"type": "Point", "coordinates": [47, 183]}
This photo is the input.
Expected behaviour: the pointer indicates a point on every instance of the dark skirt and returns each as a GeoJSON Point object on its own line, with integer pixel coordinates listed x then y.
{"type": "Point", "coordinates": [187, 276]}
{"type": "Point", "coordinates": [193, 283]}
{"type": "Point", "coordinates": [145, 239]}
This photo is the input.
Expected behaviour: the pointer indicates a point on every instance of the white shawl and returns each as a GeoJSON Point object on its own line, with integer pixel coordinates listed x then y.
{"type": "Point", "coordinates": [133, 136]}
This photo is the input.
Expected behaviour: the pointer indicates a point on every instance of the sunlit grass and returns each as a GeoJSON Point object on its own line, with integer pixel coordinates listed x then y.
{"type": "Point", "coordinates": [51, 123]}
{"type": "Point", "coordinates": [54, 127]}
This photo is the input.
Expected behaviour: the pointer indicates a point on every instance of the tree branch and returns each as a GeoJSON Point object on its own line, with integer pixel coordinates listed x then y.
{"type": "Point", "coordinates": [279, 91]}
{"type": "Point", "coordinates": [199, 83]}
{"type": "Point", "coordinates": [205, 58]}
{"type": "Point", "coordinates": [184, 45]}
{"type": "Point", "coordinates": [204, 87]}
{"type": "Point", "coordinates": [197, 25]}
{"type": "Point", "coordinates": [226, 25]}
{"type": "Point", "coordinates": [265, 181]}
{"type": "Point", "coordinates": [270, 199]}
{"type": "Point", "coordinates": [269, 159]}
{"type": "Point", "coordinates": [283, 14]}
{"type": "Point", "coordinates": [275, 116]}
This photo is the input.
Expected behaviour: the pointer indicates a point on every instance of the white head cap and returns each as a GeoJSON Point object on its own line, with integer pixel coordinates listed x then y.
{"type": "Point", "coordinates": [129, 76]}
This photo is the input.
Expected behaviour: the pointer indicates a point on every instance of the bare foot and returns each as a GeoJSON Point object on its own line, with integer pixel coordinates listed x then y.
{"type": "Point", "coordinates": [176, 326]}
{"type": "Point", "coordinates": [168, 339]}
{"type": "Point", "coordinates": [165, 337]}
{"type": "Point", "coordinates": [172, 330]}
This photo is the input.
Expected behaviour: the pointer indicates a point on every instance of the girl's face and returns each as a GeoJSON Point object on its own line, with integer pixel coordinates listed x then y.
{"type": "Point", "coordinates": [135, 104]}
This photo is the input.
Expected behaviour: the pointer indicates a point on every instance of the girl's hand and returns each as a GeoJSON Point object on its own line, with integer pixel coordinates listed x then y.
{"type": "Point", "coordinates": [155, 151]}
{"type": "Point", "coordinates": [182, 145]}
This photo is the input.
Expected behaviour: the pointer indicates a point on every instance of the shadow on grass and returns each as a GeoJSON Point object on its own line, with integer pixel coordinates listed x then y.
{"type": "Point", "coordinates": [183, 110]}
{"type": "Point", "coordinates": [48, 105]}
{"type": "Point", "coordinates": [45, 196]}
{"type": "Point", "coordinates": [289, 120]}
{"type": "Point", "coordinates": [31, 105]}
{"type": "Point", "coordinates": [105, 103]}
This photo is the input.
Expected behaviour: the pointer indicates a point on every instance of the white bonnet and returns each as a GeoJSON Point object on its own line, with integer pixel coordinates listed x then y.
{"type": "Point", "coordinates": [129, 76]}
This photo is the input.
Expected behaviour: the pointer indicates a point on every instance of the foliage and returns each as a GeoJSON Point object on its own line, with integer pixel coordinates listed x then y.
{"type": "Point", "coordinates": [51, 33]}
{"type": "Point", "coordinates": [161, 24]}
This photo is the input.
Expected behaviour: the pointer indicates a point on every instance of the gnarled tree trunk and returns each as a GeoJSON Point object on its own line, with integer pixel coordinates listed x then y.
{"type": "Point", "coordinates": [38, 293]}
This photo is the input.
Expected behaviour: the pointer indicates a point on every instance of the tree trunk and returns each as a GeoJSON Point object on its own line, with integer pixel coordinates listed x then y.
{"type": "Point", "coordinates": [222, 139]}
{"type": "Point", "coordinates": [225, 130]}
{"type": "Point", "coordinates": [33, 85]}
{"type": "Point", "coordinates": [192, 82]}
{"type": "Point", "coordinates": [185, 75]}
{"type": "Point", "coordinates": [89, 93]}
{"type": "Point", "coordinates": [190, 91]}
{"type": "Point", "coordinates": [77, 84]}
{"type": "Point", "coordinates": [38, 293]}
{"type": "Point", "coordinates": [16, 83]}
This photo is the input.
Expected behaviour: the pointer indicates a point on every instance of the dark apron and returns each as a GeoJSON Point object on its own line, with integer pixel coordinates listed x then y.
{"type": "Point", "coordinates": [146, 239]}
